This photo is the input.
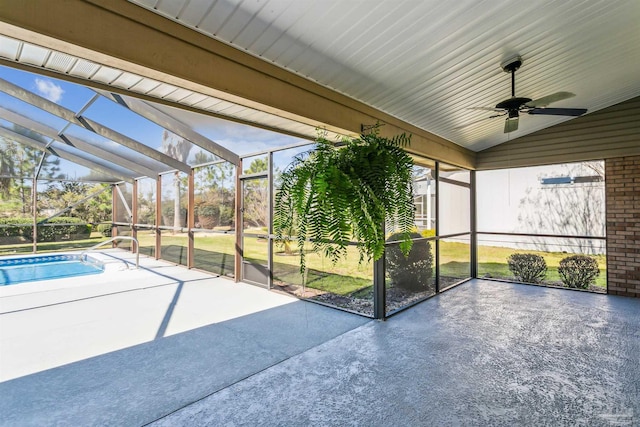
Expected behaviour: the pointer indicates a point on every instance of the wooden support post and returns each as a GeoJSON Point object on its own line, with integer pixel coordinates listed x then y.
{"type": "Point", "coordinates": [190, 219]}
{"type": "Point", "coordinates": [238, 221]}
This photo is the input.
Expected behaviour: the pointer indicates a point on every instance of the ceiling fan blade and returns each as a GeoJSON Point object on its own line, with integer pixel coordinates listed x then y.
{"type": "Point", "coordinates": [559, 111]}
{"type": "Point", "coordinates": [511, 124]}
{"type": "Point", "coordinates": [546, 100]}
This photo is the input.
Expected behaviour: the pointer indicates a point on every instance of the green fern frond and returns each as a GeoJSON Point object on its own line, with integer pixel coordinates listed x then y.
{"type": "Point", "coordinates": [330, 196]}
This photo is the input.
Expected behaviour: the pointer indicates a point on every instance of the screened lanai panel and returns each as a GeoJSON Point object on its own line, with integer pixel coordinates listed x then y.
{"type": "Point", "coordinates": [26, 110]}
{"type": "Point", "coordinates": [103, 145]}
{"type": "Point", "coordinates": [148, 133]}
{"type": "Point", "coordinates": [564, 199]}
{"type": "Point", "coordinates": [174, 200]}
{"type": "Point", "coordinates": [15, 201]}
{"type": "Point", "coordinates": [239, 138]}
{"type": "Point", "coordinates": [283, 158]}
{"type": "Point", "coordinates": [424, 197]}
{"type": "Point", "coordinates": [76, 122]}
{"type": "Point", "coordinates": [454, 200]}
{"type": "Point", "coordinates": [69, 95]}
{"type": "Point", "coordinates": [92, 162]}
{"type": "Point", "coordinates": [455, 256]}
{"type": "Point", "coordinates": [146, 201]}
{"type": "Point", "coordinates": [214, 196]}
{"type": "Point", "coordinates": [56, 168]}
{"type": "Point", "coordinates": [454, 173]}
{"type": "Point", "coordinates": [123, 203]}
{"type": "Point", "coordinates": [174, 246]}
{"type": "Point", "coordinates": [88, 202]}
{"type": "Point", "coordinates": [16, 160]}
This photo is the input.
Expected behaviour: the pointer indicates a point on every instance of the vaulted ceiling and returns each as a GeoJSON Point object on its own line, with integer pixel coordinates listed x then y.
{"type": "Point", "coordinates": [429, 62]}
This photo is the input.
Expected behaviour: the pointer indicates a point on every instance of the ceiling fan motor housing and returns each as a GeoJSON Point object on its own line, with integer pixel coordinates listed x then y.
{"type": "Point", "coordinates": [513, 103]}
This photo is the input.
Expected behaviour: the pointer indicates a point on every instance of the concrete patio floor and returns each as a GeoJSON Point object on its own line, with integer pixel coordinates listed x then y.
{"type": "Point", "coordinates": [483, 353]}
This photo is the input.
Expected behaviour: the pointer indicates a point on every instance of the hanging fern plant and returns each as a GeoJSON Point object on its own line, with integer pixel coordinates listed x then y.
{"type": "Point", "coordinates": [330, 196]}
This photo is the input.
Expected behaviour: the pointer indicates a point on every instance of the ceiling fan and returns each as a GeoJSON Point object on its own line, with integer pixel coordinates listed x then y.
{"type": "Point", "coordinates": [513, 106]}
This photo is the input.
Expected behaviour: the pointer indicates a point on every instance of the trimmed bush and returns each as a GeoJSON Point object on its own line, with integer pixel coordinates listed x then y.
{"type": "Point", "coordinates": [104, 229]}
{"type": "Point", "coordinates": [412, 272]}
{"type": "Point", "coordinates": [527, 268]}
{"type": "Point", "coordinates": [59, 228]}
{"type": "Point", "coordinates": [578, 271]}
{"type": "Point", "coordinates": [13, 227]}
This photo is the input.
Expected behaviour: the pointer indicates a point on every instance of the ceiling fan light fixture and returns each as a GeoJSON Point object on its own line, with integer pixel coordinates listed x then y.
{"type": "Point", "coordinates": [511, 124]}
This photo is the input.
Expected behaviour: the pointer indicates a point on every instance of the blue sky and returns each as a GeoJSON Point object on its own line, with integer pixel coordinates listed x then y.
{"type": "Point", "coordinates": [241, 139]}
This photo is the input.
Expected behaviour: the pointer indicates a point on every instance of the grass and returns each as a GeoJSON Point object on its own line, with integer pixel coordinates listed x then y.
{"type": "Point", "coordinates": [493, 261]}
{"type": "Point", "coordinates": [215, 253]}
{"type": "Point", "coordinates": [65, 245]}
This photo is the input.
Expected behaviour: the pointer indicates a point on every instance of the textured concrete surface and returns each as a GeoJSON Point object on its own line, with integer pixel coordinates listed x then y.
{"type": "Point", "coordinates": [484, 353]}
{"type": "Point", "coordinates": [56, 322]}
{"type": "Point", "coordinates": [144, 345]}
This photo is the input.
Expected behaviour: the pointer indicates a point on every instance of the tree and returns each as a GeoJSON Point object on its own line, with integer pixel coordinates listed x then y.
{"type": "Point", "coordinates": [179, 149]}
{"type": "Point", "coordinates": [255, 195]}
{"type": "Point", "coordinates": [18, 165]}
{"type": "Point", "coordinates": [61, 195]}
{"type": "Point", "coordinates": [214, 195]}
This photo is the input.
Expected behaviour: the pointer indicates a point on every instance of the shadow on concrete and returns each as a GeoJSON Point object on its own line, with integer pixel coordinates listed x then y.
{"type": "Point", "coordinates": [139, 384]}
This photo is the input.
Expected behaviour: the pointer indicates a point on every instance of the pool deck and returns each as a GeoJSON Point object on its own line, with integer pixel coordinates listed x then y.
{"type": "Point", "coordinates": [129, 346]}
{"type": "Point", "coordinates": [200, 351]}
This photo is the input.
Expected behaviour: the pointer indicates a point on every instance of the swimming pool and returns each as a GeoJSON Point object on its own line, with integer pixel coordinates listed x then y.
{"type": "Point", "coordinates": [45, 267]}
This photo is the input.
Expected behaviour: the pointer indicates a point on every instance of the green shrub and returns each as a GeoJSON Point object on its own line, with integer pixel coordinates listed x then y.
{"type": "Point", "coordinates": [412, 272]}
{"type": "Point", "coordinates": [578, 271]}
{"type": "Point", "coordinates": [59, 228]}
{"type": "Point", "coordinates": [62, 228]}
{"type": "Point", "coordinates": [14, 227]}
{"type": "Point", "coordinates": [527, 268]}
{"type": "Point", "coordinates": [104, 229]}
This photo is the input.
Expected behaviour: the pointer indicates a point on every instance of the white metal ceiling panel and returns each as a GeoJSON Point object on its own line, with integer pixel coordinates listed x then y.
{"type": "Point", "coordinates": [170, 7]}
{"type": "Point", "coordinates": [195, 10]}
{"type": "Point", "coordinates": [106, 75]}
{"type": "Point", "coordinates": [33, 55]}
{"type": "Point", "coordinates": [145, 85]}
{"type": "Point", "coordinates": [84, 69]}
{"type": "Point", "coordinates": [60, 62]}
{"type": "Point", "coordinates": [9, 48]}
{"type": "Point", "coordinates": [216, 17]}
{"type": "Point", "coordinates": [178, 95]}
{"type": "Point", "coordinates": [162, 90]}
{"type": "Point", "coordinates": [193, 99]}
{"type": "Point", "coordinates": [429, 62]}
{"type": "Point", "coordinates": [220, 106]}
{"type": "Point", "coordinates": [209, 103]}
{"type": "Point", "coordinates": [127, 80]}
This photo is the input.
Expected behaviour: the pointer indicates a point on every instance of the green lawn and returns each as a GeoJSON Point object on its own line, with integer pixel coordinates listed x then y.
{"type": "Point", "coordinates": [492, 261]}
{"type": "Point", "coordinates": [65, 245]}
{"type": "Point", "coordinates": [215, 253]}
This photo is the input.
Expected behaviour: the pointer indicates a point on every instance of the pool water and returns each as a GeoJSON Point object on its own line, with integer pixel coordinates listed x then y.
{"type": "Point", "coordinates": [31, 268]}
